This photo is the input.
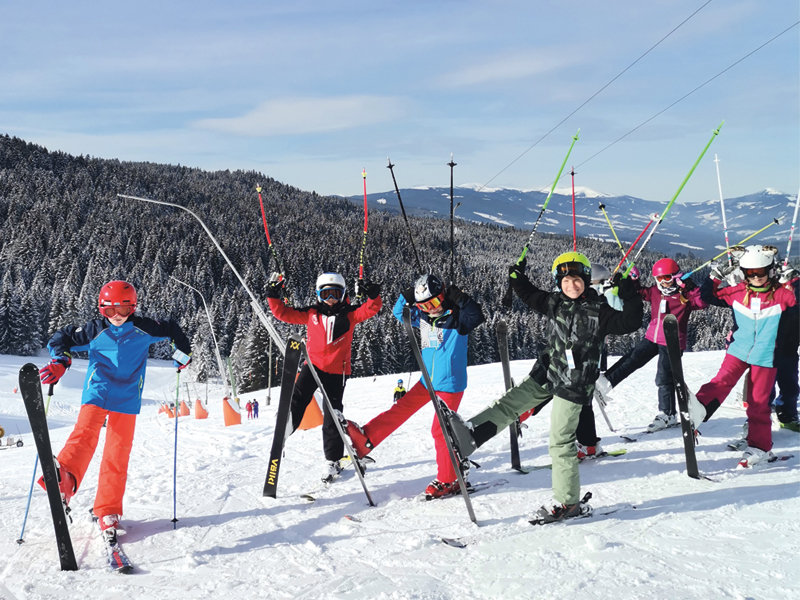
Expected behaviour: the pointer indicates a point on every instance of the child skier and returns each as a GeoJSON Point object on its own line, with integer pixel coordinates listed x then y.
{"type": "Point", "coordinates": [670, 295]}
{"type": "Point", "coordinates": [444, 316]}
{"type": "Point", "coordinates": [758, 303]}
{"type": "Point", "coordinates": [329, 331]}
{"type": "Point", "coordinates": [118, 345]}
{"type": "Point", "coordinates": [399, 391]}
{"type": "Point", "coordinates": [578, 321]}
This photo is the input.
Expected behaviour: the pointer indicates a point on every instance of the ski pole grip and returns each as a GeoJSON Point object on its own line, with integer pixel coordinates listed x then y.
{"type": "Point", "coordinates": [50, 389]}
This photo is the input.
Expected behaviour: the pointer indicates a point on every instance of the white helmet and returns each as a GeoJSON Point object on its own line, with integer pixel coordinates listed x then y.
{"type": "Point", "coordinates": [757, 257]}
{"type": "Point", "coordinates": [600, 273]}
{"type": "Point", "coordinates": [331, 280]}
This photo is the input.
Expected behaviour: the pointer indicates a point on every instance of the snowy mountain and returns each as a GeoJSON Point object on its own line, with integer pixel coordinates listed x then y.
{"type": "Point", "coordinates": [695, 227]}
{"type": "Point", "coordinates": [669, 537]}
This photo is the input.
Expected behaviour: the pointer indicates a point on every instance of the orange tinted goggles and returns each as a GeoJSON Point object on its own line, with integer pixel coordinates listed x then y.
{"type": "Point", "coordinates": [123, 310]}
{"type": "Point", "coordinates": [431, 304]}
{"type": "Point", "coordinates": [752, 273]}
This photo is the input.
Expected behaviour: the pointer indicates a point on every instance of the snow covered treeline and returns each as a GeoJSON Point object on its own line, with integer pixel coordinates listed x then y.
{"type": "Point", "coordinates": [66, 233]}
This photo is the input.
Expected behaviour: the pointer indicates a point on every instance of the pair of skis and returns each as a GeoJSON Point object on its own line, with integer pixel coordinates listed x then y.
{"type": "Point", "coordinates": [31, 390]}
{"type": "Point", "coordinates": [295, 352]}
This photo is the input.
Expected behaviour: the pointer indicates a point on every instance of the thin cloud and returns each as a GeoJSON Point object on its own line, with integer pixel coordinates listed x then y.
{"type": "Point", "coordinates": [507, 68]}
{"type": "Point", "coordinates": [293, 116]}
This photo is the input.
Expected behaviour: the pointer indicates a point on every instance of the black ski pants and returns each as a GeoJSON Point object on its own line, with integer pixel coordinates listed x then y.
{"type": "Point", "coordinates": [304, 389]}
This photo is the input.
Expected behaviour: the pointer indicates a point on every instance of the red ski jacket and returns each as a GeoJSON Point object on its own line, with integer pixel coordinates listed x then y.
{"type": "Point", "coordinates": [329, 336]}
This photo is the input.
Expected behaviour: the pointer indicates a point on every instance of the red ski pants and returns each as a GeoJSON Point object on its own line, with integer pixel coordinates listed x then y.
{"type": "Point", "coordinates": [379, 428]}
{"type": "Point", "coordinates": [760, 381]}
{"type": "Point", "coordinates": [81, 444]}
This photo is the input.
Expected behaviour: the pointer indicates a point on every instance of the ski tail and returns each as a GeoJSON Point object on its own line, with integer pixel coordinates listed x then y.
{"type": "Point", "coordinates": [291, 361]}
{"type": "Point", "coordinates": [682, 393]}
{"type": "Point", "coordinates": [31, 391]}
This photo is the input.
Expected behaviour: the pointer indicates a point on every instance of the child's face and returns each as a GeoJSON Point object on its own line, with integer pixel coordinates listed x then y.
{"type": "Point", "coordinates": [572, 286]}
{"type": "Point", "coordinates": [118, 320]}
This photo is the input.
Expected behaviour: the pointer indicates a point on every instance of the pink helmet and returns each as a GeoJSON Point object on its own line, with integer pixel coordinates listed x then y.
{"type": "Point", "coordinates": [665, 266]}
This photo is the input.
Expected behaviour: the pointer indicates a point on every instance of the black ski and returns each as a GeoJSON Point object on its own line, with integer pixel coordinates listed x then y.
{"type": "Point", "coordinates": [291, 360]}
{"type": "Point", "coordinates": [341, 424]}
{"type": "Point", "coordinates": [31, 390]}
{"type": "Point", "coordinates": [440, 414]}
{"type": "Point", "coordinates": [501, 330]}
{"type": "Point", "coordinates": [682, 393]}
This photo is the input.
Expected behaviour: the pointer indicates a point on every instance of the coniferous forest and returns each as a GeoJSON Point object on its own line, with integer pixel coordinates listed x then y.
{"type": "Point", "coordinates": [65, 233]}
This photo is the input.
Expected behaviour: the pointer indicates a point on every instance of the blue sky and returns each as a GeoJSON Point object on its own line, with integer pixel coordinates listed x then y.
{"type": "Point", "coordinates": [311, 92]}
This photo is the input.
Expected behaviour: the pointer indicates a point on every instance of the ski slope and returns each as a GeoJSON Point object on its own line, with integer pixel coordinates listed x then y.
{"type": "Point", "coordinates": [672, 537]}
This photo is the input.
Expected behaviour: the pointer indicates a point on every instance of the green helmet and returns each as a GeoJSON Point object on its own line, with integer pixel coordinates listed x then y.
{"type": "Point", "coordinates": [572, 263]}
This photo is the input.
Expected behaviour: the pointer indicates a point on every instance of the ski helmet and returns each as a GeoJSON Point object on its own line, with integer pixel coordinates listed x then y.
{"type": "Point", "coordinates": [117, 297]}
{"type": "Point", "coordinates": [665, 266]}
{"type": "Point", "coordinates": [572, 263]}
{"type": "Point", "coordinates": [759, 257]}
{"type": "Point", "coordinates": [331, 285]}
{"type": "Point", "coordinates": [399, 382]}
{"type": "Point", "coordinates": [428, 292]}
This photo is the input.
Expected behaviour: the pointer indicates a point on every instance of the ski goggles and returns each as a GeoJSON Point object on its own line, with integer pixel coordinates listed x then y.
{"type": "Point", "coordinates": [575, 269]}
{"type": "Point", "coordinates": [336, 293]}
{"type": "Point", "coordinates": [431, 304]}
{"type": "Point", "coordinates": [664, 278]}
{"type": "Point", "coordinates": [755, 273]}
{"type": "Point", "coordinates": [122, 310]}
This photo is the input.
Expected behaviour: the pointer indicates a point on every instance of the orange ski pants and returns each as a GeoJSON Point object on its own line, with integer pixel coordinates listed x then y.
{"type": "Point", "coordinates": [81, 444]}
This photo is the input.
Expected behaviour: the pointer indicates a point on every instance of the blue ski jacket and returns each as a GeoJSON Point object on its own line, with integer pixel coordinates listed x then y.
{"type": "Point", "coordinates": [443, 341]}
{"type": "Point", "coordinates": [117, 357]}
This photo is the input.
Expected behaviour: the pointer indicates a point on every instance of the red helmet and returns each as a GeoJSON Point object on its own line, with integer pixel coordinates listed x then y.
{"type": "Point", "coordinates": [665, 266]}
{"type": "Point", "coordinates": [117, 297]}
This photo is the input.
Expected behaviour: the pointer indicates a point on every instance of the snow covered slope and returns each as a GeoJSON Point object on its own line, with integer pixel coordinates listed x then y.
{"type": "Point", "coordinates": [672, 537]}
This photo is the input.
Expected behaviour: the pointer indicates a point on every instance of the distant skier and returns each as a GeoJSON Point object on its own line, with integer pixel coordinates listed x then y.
{"type": "Point", "coordinates": [758, 303]}
{"type": "Point", "coordinates": [255, 408]}
{"type": "Point", "coordinates": [329, 330]}
{"type": "Point", "coordinates": [118, 346]}
{"type": "Point", "coordinates": [445, 316]}
{"type": "Point", "coordinates": [249, 408]}
{"type": "Point", "coordinates": [669, 295]}
{"type": "Point", "coordinates": [399, 391]}
{"type": "Point", "coordinates": [577, 322]}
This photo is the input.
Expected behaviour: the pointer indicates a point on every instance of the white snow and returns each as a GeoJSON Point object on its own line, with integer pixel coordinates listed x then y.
{"type": "Point", "coordinates": [736, 537]}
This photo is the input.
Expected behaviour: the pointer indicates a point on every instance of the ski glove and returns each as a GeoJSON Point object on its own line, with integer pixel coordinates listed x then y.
{"type": "Point", "coordinates": [408, 295]}
{"type": "Point", "coordinates": [275, 286]}
{"type": "Point", "coordinates": [517, 270]}
{"type": "Point", "coordinates": [368, 288]}
{"type": "Point", "coordinates": [454, 295]}
{"type": "Point", "coordinates": [720, 271]}
{"type": "Point", "coordinates": [787, 274]}
{"type": "Point", "coordinates": [626, 287]}
{"type": "Point", "coordinates": [54, 370]}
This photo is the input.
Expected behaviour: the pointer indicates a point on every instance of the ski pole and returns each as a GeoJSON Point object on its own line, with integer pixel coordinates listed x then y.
{"type": "Point", "coordinates": [675, 197]}
{"type": "Point", "coordinates": [724, 218]}
{"type": "Point", "coordinates": [602, 208]}
{"type": "Point", "coordinates": [636, 241]}
{"type": "Point", "coordinates": [175, 453]}
{"type": "Point", "coordinates": [602, 406]}
{"type": "Point", "coordinates": [33, 477]}
{"type": "Point", "coordinates": [508, 296]}
{"type": "Point", "coordinates": [547, 200]}
{"type": "Point", "coordinates": [752, 235]}
{"type": "Point", "coordinates": [791, 231]}
{"type": "Point", "coordinates": [574, 226]}
{"type": "Point", "coordinates": [390, 166]}
{"type": "Point", "coordinates": [364, 238]}
{"type": "Point", "coordinates": [271, 246]}
{"type": "Point", "coordinates": [452, 164]}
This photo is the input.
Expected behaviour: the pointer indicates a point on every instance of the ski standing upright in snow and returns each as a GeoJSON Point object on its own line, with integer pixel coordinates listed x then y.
{"type": "Point", "coordinates": [31, 390]}
{"type": "Point", "coordinates": [291, 361]}
{"type": "Point", "coordinates": [682, 393]}
{"type": "Point", "coordinates": [501, 330]}
{"type": "Point", "coordinates": [439, 407]}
